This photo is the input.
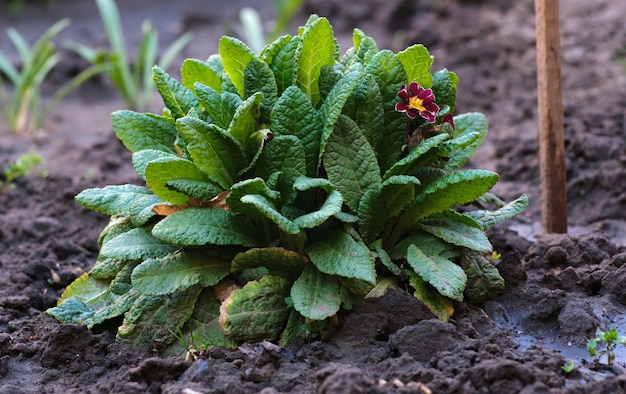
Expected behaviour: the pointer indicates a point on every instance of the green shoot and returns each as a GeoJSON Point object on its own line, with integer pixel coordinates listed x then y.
{"type": "Point", "coordinates": [610, 339]}
{"type": "Point", "coordinates": [24, 165]}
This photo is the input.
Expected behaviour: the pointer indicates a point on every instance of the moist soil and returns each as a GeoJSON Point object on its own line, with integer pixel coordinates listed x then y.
{"type": "Point", "coordinates": [560, 288]}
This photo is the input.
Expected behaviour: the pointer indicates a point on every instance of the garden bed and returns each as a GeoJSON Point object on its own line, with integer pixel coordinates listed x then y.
{"type": "Point", "coordinates": [559, 288]}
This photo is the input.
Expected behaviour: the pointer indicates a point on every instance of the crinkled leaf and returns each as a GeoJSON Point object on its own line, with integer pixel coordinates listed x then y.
{"type": "Point", "coordinates": [258, 77]}
{"type": "Point", "coordinates": [152, 319]}
{"type": "Point", "coordinates": [220, 107]}
{"type": "Point", "coordinates": [366, 109]}
{"type": "Point", "coordinates": [177, 98]}
{"type": "Point", "coordinates": [295, 328]}
{"type": "Point", "coordinates": [459, 187]}
{"type": "Point", "coordinates": [439, 305]}
{"type": "Point", "coordinates": [316, 295]}
{"type": "Point", "coordinates": [316, 50]}
{"type": "Point", "coordinates": [161, 171]}
{"type": "Point", "coordinates": [202, 226]}
{"type": "Point", "coordinates": [244, 124]}
{"type": "Point", "coordinates": [267, 209]}
{"type": "Point", "coordinates": [136, 244]}
{"type": "Point", "coordinates": [198, 189]}
{"type": "Point", "coordinates": [194, 70]}
{"type": "Point", "coordinates": [235, 56]}
{"type": "Point", "coordinates": [365, 47]}
{"type": "Point", "coordinates": [330, 207]}
{"type": "Point", "coordinates": [489, 219]}
{"type": "Point", "coordinates": [257, 311]}
{"type": "Point", "coordinates": [382, 286]}
{"type": "Point", "coordinates": [282, 60]}
{"type": "Point", "coordinates": [284, 154]}
{"type": "Point", "coordinates": [418, 157]}
{"type": "Point", "coordinates": [457, 233]}
{"type": "Point", "coordinates": [483, 279]}
{"type": "Point", "coordinates": [333, 105]}
{"type": "Point", "coordinates": [214, 153]}
{"type": "Point", "coordinates": [143, 157]}
{"type": "Point", "coordinates": [464, 125]}
{"type": "Point", "coordinates": [139, 131]}
{"type": "Point", "coordinates": [337, 253]}
{"type": "Point", "coordinates": [295, 115]}
{"type": "Point", "coordinates": [417, 62]}
{"type": "Point", "coordinates": [203, 327]}
{"type": "Point", "coordinates": [427, 243]}
{"type": "Point", "coordinates": [390, 76]}
{"type": "Point", "coordinates": [384, 257]}
{"type": "Point", "coordinates": [444, 84]}
{"type": "Point", "coordinates": [383, 202]}
{"type": "Point", "coordinates": [179, 271]}
{"type": "Point", "coordinates": [447, 277]}
{"type": "Point", "coordinates": [350, 162]}
{"type": "Point", "coordinates": [133, 201]}
{"type": "Point", "coordinates": [278, 261]}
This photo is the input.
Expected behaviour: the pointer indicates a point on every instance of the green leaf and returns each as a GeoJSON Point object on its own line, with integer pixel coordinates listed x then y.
{"type": "Point", "coordinates": [489, 219]}
{"type": "Point", "coordinates": [277, 260]}
{"type": "Point", "coordinates": [214, 153]}
{"type": "Point", "coordinates": [144, 131]}
{"type": "Point", "coordinates": [459, 187]}
{"type": "Point", "coordinates": [466, 124]}
{"type": "Point", "coordinates": [204, 326]}
{"type": "Point", "coordinates": [199, 190]}
{"type": "Point", "coordinates": [152, 319]}
{"type": "Point", "coordinates": [456, 233]}
{"type": "Point", "coordinates": [418, 157]}
{"type": "Point", "coordinates": [235, 56]}
{"type": "Point", "coordinates": [448, 278]}
{"type": "Point", "coordinates": [177, 98]}
{"type": "Point", "coordinates": [427, 243]}
{"type": "Point", "coordinates": [417, 62]}
{"type": "Point", "coordinates": [384, 257]}
{"type": "Point", "coordinates": [337, 253]}
{"type": "Point", "coordinates": [295, 115]}
{"type": "Point", "coordinates": [258, 77]}
{"type": "Point", "coordinates": [267, 209]}
{"type": "Point", "coordinates": [439, 305]}
{"type": "Point", "coordinates": [143, 157]}
{"type": "Point", "coordinates": [383, 202]}
{"type": "Point", "coordinates": [220, 107]}
{"type": "Point", "coordinates": [244, 123]}
{"type": "Point", "coordinates": [350, 162]}
{"type": "Point", "coordinates": [329, 208]}
{"type": "Point", "coordinates": [483, 279]}
{"type": "Point", "coordinates": [202, 226]}
{"type": "Point", "coordinates": [194, 70]}
{"type": "Point", "coordinates": [160, 172]}
{"type": "Point", "coordinates": [390, 76]}
{"type": "Point", "coordinates": [136, 244]}
{"type": "Point", "coordinates": [257, 311]}
{"type": "Point", "coordinates": [133, 201]}
{"type": "Point", "coordinates": [178, 271]}
{"type": "Point", "coordinates": [316, 295]}
{"type": "Point", "coordinates": [364, 46]}
{"type": "Point", "coordinates": [284, 154]}
{"type": "Point", "coordinates": [444, 88]}
{"type": "Point", "coordinates": [368, 112]}
{"type": "Point", "coordinates": [282, 60]}
{"type": "Point", "coordinates": [317, 50]}
{"type": "Point", "coordinates": [333, 105]}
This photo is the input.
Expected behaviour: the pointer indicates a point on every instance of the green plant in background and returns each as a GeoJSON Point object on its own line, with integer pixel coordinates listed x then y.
{"type": "Point", "coordinates": [281, 186]}
{"type": "Point", "coordinates": [20, 100]}
{"type": "Point", "coordinates": [133, 82]}
{"type": "Point", "coordinates": [22, 166]}
{"type": "Point", "coordinates": [609, 339]}
{"type": "Point", "coordinates": [253, 29]}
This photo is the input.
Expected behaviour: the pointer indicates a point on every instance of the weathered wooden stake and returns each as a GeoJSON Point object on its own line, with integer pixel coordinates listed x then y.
{"type": "Point", "coordinates": [551, 134]}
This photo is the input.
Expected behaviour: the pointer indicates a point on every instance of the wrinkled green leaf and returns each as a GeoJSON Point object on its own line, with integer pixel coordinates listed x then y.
{"type": "Point", "coordinates": [316, 295]}
{"type": "Point", "coordinates": [439, 305]}
{"type": "Point", "coordinates": [447, 277]}
{"type": "Point", "coordinates": [202, 226]}
{"type": "Point", "coordinates": [235, 56]}
{"type": "Point", "coordinates": [133, 201]}
{"type": "Point", "coordinates": [161, 171]}
{"type": "Point", "coordinates": [194, 70]}
{"type": "Point", "coordinates": [277, 260]}
{"type": "Point", "coordinates": [220, 107]}
{"type": "Point", "coordinates": [257, 311]}
{"type": "Point", "coordinates": [417, 62]}
{"type": "Point", "coordinates": [463, 125]}
{"type": "Point", "coordinates": [483, 279]}
{"type": "Point", "coordinates": [177, 98]}
{"type": "Point", "coordinates": [136, 244]}
{"type": "Point", "coordinates": [317, 50]}
{"type": "Point", "coordinates": [457, 233]}
{"type": "Point", "coordinates": [144, 131]}
{"type": "Point", "coordinates": [489, 219]}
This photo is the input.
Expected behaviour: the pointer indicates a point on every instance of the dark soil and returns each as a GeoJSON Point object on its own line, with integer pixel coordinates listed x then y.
{"type": "Point", "coordinates": [560, 288]}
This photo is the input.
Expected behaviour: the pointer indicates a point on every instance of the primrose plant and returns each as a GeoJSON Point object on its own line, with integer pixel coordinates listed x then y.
{"type": "Point", "coordinates": [279, 187]}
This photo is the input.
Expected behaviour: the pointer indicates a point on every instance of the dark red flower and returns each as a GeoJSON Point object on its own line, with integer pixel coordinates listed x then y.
{"type": "Point", "coordinates": [448, 118]}
{"type": "Point", "coordinates": [417, 101]}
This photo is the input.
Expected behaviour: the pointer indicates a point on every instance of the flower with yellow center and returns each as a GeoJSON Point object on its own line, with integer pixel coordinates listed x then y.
{"type": "Point", "coordinates": [415, 100]}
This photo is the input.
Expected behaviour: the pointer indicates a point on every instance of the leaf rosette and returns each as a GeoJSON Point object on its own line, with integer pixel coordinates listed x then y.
{"type": "Point", "coordinates": [280, 186]}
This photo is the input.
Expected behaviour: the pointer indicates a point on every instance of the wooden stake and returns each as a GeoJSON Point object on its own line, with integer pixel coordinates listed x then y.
{"type": "Point", "coordinates": [551, 134]}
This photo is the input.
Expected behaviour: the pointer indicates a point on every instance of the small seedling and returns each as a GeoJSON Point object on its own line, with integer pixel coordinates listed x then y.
{"type": "Point", "coordinates": [134, 83]}
{"type": "Point", "coordinates": [20, 99]}
{"type": "Point", "coordinates": [608, 340]}
{"type": "Point", "coordinates": [24, 165]}
{"type": "Point", "coordinates": [569, 367]}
